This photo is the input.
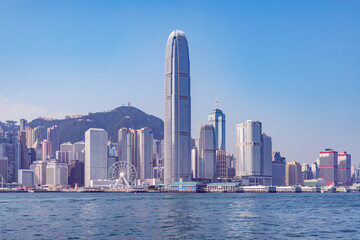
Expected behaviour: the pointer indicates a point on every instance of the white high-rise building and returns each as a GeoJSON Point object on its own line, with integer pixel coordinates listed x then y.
{"type": "Point", "coordinates": [253, 153]}
{"type": "Point", "coordinates": [207, 157]}
{"type": "Point", "coordinates": [145, 137]}
{"type": "Point", "coordinates": [177, 119]}
{"type": "Point", "coordinates": [315, 170]}
{"type": "Point", "coordinates": [194, 162]}
{"type": "Point", "coordinates": [56, 173]}
{"type": "Point", "coordinates": [39, 168]}
{"type": "Point", "coordinates": [63, 156]}
{"type": "Point", "coordinates": [126, 145]}
{"type": "Point", "coordinates": [68, 147]}
{"type": "Point", "coordinates": [136, 147]}
{"type": "Point", "coordinates": [248, 149]}
{"type": "Point", "coordinates": [95, 155]}
{"type": "Point", "coordinates": [79, 151]}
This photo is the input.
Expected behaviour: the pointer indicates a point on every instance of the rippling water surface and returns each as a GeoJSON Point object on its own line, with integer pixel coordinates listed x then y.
{"type": "Point", "coordinates": [181, 216]}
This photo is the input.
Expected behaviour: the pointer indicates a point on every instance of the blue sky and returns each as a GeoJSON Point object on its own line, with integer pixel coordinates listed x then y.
{"type": "Point", "coordinates": [293, 65]}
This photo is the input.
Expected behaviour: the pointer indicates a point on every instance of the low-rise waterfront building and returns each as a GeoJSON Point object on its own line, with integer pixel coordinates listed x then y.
{"type": "Point", "coordinates": [223, 187]}
{"type": "Point", "coordinates": [308, 189]}
{"type": "Point", "coordinates": [314, 183]}
{"type": "Point", "coordinates": [186, 187]}
{"type": "Point", "coordinates": [288, 189]}
{"type": "Point", "coordinates": [258, 189]}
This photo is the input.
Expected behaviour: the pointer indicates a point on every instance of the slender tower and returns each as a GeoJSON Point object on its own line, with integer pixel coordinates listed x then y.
{"type": "Point", "coordinates": [177, 120]}
{"type": "Point", "coordinates": [217, 119]}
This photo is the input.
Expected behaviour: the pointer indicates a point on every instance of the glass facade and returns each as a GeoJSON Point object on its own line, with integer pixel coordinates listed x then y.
{"type": "Point", "coordinates": [177, 119]}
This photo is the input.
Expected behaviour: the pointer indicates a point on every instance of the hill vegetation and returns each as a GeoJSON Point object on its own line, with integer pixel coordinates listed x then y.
{"type": "Point", "coordinates": [73, 129]}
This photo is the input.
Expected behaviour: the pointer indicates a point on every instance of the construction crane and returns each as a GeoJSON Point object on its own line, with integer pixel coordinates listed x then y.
{"type": "Point", "coordinates": [3, 181]}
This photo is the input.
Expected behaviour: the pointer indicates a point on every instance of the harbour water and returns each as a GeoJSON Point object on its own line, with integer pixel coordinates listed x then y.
{"type": "Point", "coordinates": [179, 216]}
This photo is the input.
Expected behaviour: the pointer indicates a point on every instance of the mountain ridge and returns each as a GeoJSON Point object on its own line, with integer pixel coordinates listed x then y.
{"type": "Point", "coordinates": [73, 129]}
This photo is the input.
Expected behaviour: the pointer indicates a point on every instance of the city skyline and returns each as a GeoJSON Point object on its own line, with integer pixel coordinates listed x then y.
{"type": "Point", "coordinates": [257, 78]}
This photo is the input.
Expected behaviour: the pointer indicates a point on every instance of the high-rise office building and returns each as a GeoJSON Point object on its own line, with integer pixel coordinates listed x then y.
{"type": "Point", "coordinates": [231, 163]}
{"type": "Point", "coordinates": [278, 169]}
{"type": "Point", "coordinates": [24, 158]}
{"type": "Point", "coordinates": [126, 145]}
{"type": "Point", "coordinates": [63, 156]}
{"type": "Point", "coordinates": [136, 147]}
{"type": "Point", "coordinates": [56, 173]}
{"type": "Point", "coordinates": [177, 118]}
{"type": "Point", "coordinates": [3, 167]}
{"type": "Point", "coordinates": [39, 168]}
{"type": "Point", "coordinates": [79, 151]}
{"type": "Point", "coordinates": [23, 125]}
{"type": "Point", "coordinates": [328, 167]}
{"type": "Point", "coordinates": [145, 139]}
{"type": "Point", "coordinates": [194, 162]}
{"type": "Point", "coordinates": [306, 173]}
{"type": "Point", "coordinates": [46, 149]}
{"type": "Point", "coordinates": [158, 151]}
{"type": "Point", "coordinates": [217, 119]}
{"type": "Point", "coordinates": [293, 174]}
{"type": "Point", "coordinates": [53, 137]}
{"type": "Point", "coordinates": [222, 166]}
{"type": "Point", "coordinates": [253, 153]}
{"type": "Point", "coordinates": [38, 150]}
{"type": "Point", "coordinates": [248, 149]}
{"type": "Point", "coordinates": [266, 156]}
{"type": "Point", "coordinates": [38, 133]}
{"type": "Point", "coordinates": [76, 173]}
{"type": "Point", "coordinates": [68, 147]}
{"type": "Point", "coordinates": [344, 168]}
{"type": "Point", "coordinates": [95, 155]}
{"type": "Point", "coordinates": [206, 152]}
{"type": "Point", "coordinates": [29, 136]}
{"type": "Point", "coordinates": [354, 174]}
{"type": "Point", "coordinates": [315, 170]}
{"type": "Point", "coordinates": [10, 149]}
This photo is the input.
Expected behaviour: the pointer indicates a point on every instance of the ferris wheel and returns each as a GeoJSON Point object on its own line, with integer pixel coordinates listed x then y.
{"type": "Point", "coordinates": [124, 173]}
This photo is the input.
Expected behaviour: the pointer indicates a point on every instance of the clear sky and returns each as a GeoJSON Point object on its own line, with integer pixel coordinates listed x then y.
{"type": "Point", "coordinates": [293, 65]}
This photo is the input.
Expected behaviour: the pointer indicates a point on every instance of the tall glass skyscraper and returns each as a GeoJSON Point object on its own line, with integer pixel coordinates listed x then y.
{"type": "Point", "coordinates": [217, 119]}
{"type": "Point", "coordinates": [207, 167]}
{"type": "Point", "coordinates": [177, 120]}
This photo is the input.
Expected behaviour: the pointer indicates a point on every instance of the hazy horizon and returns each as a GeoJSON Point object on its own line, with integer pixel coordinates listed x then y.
{"type": "Point", "coordinates": [294, 66]}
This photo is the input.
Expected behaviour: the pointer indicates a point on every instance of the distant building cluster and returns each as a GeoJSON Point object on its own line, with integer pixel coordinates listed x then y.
{"type": "Point", "coordinates": [34, 157]}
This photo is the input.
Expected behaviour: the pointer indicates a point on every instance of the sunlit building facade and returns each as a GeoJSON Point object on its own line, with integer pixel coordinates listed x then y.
{"type": "Point", "coordinates": [328, 167]}
{"type": "Point", "coordinates": [206, 154]}
{"type": "Point", "coordinates": [95, 155]}
{"type": "Point", "coordinates": [177, 118]}
{"type": "Point", "coordinates": [217, 119]}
